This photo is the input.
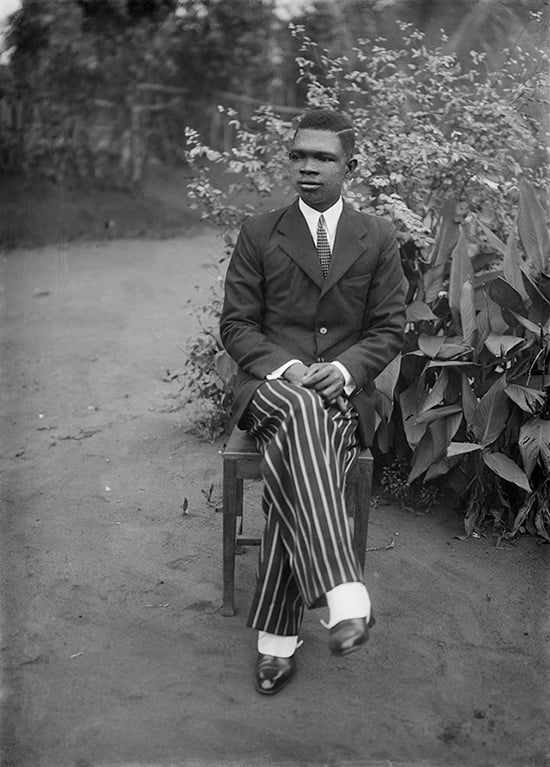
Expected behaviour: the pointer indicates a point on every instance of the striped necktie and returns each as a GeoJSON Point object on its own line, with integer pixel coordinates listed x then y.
{"type": "Point", "coordinates": [323, 247]}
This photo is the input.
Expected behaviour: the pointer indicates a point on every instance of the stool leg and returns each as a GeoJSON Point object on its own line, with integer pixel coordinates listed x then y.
{"type": "Point", "coordinates": [362, 491]}
{"type": "Point", "coordinates": [231, 496]}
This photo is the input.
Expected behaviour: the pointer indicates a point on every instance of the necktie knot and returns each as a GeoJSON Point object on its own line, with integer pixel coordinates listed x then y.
{"type": "Point", "coordinates": [323, 246]}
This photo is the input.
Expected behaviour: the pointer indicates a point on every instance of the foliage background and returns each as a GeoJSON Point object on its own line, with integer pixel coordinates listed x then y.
{"type": "Point", "coordinates": [97, 90]}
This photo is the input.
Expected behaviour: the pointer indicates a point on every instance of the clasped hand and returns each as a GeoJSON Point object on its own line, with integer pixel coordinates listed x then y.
{"type": "Point", "coordinates": [324, 377]}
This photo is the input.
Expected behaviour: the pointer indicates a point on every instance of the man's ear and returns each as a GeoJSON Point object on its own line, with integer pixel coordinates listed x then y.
{"type": "Point", "coordinates": [352, 166]}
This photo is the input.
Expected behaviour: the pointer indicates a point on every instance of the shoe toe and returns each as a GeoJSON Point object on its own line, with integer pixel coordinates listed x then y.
{"type": "Point", "coordinates": [348, 635]}
{"type": "Point", "coordinates": [273, 673]}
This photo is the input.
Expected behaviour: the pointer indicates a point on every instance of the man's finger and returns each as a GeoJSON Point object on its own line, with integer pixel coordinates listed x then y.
{"type": "Point", "coordinates": [319, 374]}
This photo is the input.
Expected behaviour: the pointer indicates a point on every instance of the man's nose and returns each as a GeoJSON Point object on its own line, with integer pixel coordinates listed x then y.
{"type": "Point", "coordinates": [309, 165]}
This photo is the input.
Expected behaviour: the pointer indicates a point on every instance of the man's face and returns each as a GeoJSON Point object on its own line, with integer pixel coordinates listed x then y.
{"type": "Point", "coordinates": [318, 167]}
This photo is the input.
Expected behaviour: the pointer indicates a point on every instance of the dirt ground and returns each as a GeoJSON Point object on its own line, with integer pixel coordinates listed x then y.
{"type": "Point", "coordinates": [114, 652]}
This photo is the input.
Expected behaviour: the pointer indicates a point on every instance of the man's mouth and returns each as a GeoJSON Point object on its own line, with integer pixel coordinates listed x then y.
{"type": "Point", "coordinates": [309, 186]}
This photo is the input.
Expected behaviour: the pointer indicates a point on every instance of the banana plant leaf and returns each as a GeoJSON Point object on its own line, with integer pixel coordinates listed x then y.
{"type": "Point", "coordinates": [506, 296]}
{"type": "Point", "coordinates": [540, 309]}
{"type": "Point", "coordinates": [507, 469]}
{"type": "Point", "coordinates": [417, 311]}
{"type": "Point", "coordinates": [437, 413]}
{"type": "Point", "coordinates": [430, 345]}
{"type": "Point", "coordinates": [534, 444]}
{"type": "Point", "coordinates": [461, 271]}
{"type": "Point", "coordinates": [533, 229]}
{"type": "Point", "coordinates": [511, 266]}
{"type": "Point", "coordinates": [411, 401]}
{"type": "Point", "coordinates": [529, 400]}
{"type": "Point", "coordinates": [492, 238]}
{"type": "Point", "coordinates": [468, 314]}
{"type": "Point", "coordinates": [469, 400]}
{"type": "Point", "coordinates": [444, 245]}
{"type": "Point", "coordinates": [461, 448]}
{"type": "Point", "coordinates": [491, 413]}
{"type": "Point", "coordinates": [501, 346]}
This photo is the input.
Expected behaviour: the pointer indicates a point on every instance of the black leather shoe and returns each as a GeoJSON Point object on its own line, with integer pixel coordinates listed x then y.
{"type": "Point", "coordinates": [347, 636]}
{"type": "Point", "coordinates": [272, 673]}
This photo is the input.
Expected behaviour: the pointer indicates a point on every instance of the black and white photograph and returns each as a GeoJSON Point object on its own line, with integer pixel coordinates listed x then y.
{"type": "Point", "coordinates": [274, 383]}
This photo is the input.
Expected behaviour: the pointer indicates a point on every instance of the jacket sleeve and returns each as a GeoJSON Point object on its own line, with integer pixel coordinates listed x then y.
{"type": "Point", "coordinates": [243, 309]}
{"type": "Point", "coordinates": [384, 322]}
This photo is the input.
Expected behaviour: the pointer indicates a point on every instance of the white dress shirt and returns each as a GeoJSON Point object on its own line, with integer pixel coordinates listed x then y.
{"type": "Point", "coordinates": [331, 216]}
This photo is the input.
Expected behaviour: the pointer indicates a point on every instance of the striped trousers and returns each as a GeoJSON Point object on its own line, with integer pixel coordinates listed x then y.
{"type": "Point", "coordinates": [306, 550]}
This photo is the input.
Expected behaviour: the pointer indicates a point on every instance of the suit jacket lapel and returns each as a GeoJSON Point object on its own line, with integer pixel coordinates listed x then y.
{"type": "Point", "coordinates": [349, 244]}
{"type": "Point", "coordinates": [297, 243]}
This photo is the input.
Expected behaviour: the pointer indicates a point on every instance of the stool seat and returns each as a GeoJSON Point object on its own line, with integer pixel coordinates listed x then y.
{"type": "Point", "coordinates": [242, 460]}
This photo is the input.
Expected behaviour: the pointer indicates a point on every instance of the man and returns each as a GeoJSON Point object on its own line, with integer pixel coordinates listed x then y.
{"type": "Point", "coordinates": [313, 311]}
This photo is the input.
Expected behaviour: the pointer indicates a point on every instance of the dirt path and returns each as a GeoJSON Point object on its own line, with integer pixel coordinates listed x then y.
{"type": "Point", "coordinates": [113, 650]}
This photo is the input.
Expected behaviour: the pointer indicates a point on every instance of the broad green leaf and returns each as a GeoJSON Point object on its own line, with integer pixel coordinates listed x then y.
{"type": "Point", "coordinates": [437, 469]}
{"type": "Point", "coordinates": [469, 400]}
{"type": "Point", "coordinates": [461, 270]}
{"type": "Point", "coordinates": [453, 425]}
{"type": "Point", "coordinates": [226, 368]}
{"type": "Point", "coordinates": [495, 241]}
{"type": "Point", "coordinates": [446, 240]}
{"type": "Point", "coordinates": [533, 229]}
{"type": "Point", "coordinates": [461, 448]}
{"type": "Point", "coordinates": [411, 401]}
{"type": "Point", "coordinates": [434, 279]}
{"type": "Point", "coordinates": [437, 413]}
{"type": "Point", "coordinates": [544, 284]}
{"type": "Point", "coordinates": [500, 346]}
{"type": "Point", "coordinates": [385, 383]}
{"type": "Point", "coordinates": [468, 313]}
{"type": "Point", "coordinates": [532, 326]}
{"type": "Point", "coordinates": [418, 311]}
{"type": "Point", "coordinates": [540, 309]}
{"type": "Point", "coordinates": [534, 444]}
{"type": "Point", "coordinates": [506, 296]}
{"type": "Point", "coordinates": [529, 400]}
{"type": "Point", "coordinates": [443, 431]}
{"type": "Point", "coordinates": [491, 414]}
{"type": "Point", "coordinates": [430, 345]}
{"type": "Point", "coordinates": [452, 351]}
{"type": "Point", "coordinates": [423, 457]}
{"type": "Point", "coordinates": [483, 327]}
{"type": "Point", "coordinates": [507, 469]}
{"type": "Point", "coordinates": [448, 233]}
{"type": "Point", "coordinates": [496, 320]}
{"type": "Point", "coordinates": [522, 514]}
{"type": "Point", "coordinates": [436, 395]}
{"type": "Point", "coordinates": [511, 266]}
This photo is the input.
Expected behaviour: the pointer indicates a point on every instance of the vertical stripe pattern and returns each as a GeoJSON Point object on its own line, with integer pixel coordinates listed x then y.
{"type": "Point", "coordinates": [306, 548]}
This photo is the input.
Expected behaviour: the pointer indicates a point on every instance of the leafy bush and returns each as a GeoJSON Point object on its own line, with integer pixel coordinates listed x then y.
{"type": "Point", "coordinates": [475, 387]}
{"type": "Point", "coordinates": [451, 153]}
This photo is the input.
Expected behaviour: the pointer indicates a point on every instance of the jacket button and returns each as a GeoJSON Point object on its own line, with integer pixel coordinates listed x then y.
{"type": "Point", "coordinates": [320, 359]}
{"type": "Point", "coordinates": [323, 331]}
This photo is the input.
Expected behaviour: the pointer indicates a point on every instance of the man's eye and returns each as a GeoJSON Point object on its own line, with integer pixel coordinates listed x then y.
{"type": "Point", "coordinates": [294, 156]}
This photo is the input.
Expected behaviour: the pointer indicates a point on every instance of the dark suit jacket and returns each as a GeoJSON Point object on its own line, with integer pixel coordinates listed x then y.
{"type": "Point", "coordinates": [279, 307]}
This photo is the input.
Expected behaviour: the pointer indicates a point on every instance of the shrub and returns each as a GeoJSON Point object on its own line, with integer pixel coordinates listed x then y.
{"type": "Point", "coordinates": [450, 152]}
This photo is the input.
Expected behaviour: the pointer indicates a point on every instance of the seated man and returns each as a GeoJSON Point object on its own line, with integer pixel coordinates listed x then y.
{"type": "Point", "coordinates": [313, 311]}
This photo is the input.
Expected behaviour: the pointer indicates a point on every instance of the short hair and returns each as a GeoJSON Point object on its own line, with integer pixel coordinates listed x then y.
{"type": "Point", "coordinates": [323, 118]}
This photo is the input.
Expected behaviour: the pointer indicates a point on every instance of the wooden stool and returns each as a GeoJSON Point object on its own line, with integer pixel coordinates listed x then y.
{"type": "Point", "coordinates": [241, 460]}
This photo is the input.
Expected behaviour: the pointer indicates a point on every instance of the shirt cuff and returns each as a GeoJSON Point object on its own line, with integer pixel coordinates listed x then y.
{"type": "Point", "coordinates": [349, 383]}
{"type": "Point", "coordinates": [280, 371]}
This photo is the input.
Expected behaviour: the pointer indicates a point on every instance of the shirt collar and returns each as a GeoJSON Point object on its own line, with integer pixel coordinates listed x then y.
{"type": "Point", "coordinates": [331, 216]}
